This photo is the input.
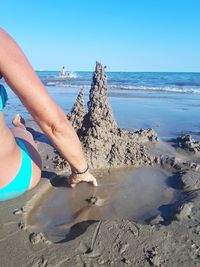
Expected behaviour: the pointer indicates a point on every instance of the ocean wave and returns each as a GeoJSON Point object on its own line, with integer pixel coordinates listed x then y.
{"type": "Point", "coordinates": [69, 75]}
{"type": "Point", "coordinates": [187, 83]}
{"type": "Point", "coordinates": [62, 83]}
{"type": "Point", "coordinates": [157, 89]}
{"type": "Point", "coordinates": [72, 75]}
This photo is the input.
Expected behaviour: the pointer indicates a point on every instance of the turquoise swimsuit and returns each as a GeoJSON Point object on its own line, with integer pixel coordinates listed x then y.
{"type": "Point", "coordinates": [21, 182]}
{"type": "Point", "coordinates": [3, 97]}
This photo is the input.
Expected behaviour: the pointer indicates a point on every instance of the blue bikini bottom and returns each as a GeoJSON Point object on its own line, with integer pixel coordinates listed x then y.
{"type": "Point", "coordinates": [21, 182]}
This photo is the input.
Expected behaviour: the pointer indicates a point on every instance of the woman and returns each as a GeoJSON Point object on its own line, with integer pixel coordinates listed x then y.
{"type": "Point", "coordinates": [20, 164]}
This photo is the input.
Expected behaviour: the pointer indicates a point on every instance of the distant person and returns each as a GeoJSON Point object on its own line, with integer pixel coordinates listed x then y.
{"type": "Point", "coordinates": [63, 72]}
{"type": "Point", "coordinates": [20, 163]}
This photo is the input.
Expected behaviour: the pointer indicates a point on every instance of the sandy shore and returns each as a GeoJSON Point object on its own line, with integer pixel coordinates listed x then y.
{"type": "Point", "coordinates": [170, 238]}
{"type": "Point", "coordinates": [172, 241]}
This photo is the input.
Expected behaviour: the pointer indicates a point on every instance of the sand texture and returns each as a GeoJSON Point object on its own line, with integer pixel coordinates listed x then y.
{"type": "Point", "coordinates": [105, 144]}
{"type": "Point", "coordinates": [172, 241]}
{"type": "Point", "coordinates": [171, 238]}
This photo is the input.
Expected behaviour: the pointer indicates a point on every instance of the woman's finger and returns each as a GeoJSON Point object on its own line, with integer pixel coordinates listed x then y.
{"type": "Point", "coordinates": [94, 182]}
{"type": "Point", "coordinates": [72, 185]}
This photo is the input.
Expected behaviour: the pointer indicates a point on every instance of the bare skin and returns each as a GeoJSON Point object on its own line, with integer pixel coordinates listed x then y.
{"type": "Point", "coordinates": [20, 76]}
{"type": "Point", "coordinates": [14, 159]}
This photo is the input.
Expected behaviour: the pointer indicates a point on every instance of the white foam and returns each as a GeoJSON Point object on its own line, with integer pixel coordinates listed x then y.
{"type": "Point", "coordinates": [129, 88]}
{"type": "Point", "coordinates": [157, 89]}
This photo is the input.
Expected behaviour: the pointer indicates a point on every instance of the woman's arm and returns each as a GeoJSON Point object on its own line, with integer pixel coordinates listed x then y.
{"type": "Point", "coordinates": [21, 77]}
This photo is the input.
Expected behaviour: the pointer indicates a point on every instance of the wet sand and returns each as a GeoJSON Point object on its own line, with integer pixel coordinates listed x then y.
{"type": "Point", "coordinates": [170, 241]}
{"type": "Point", "coordinates": [169, 114]}
{"type": "Point", "coordinates": [131, 194]}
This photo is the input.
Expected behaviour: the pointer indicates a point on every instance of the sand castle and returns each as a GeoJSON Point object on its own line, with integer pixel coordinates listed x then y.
{"type": "Point", "coordinates": [186, 143]}
{"type": "Point", "coordinates": [108, 146]}
{"type": "Point", "coordinates": [105, 144]}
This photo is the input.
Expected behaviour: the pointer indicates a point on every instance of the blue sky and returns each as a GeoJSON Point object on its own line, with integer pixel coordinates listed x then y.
{"type": "Point", "coordinates": [125, 35]}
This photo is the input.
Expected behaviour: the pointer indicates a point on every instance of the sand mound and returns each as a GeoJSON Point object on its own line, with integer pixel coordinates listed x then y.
{"type": "Point", "coordinates": [104, 143]}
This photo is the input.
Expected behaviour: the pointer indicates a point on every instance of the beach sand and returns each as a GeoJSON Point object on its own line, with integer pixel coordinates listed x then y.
{"type": "Point", "coordinates": [116, 236]}
{"type": "Point", "coordinates": [174, 242]}
{"type": "Point", "coordinates": [169, 241]}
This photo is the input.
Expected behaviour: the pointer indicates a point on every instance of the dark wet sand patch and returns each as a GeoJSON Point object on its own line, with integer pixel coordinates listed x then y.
{"type": "Point", "coordinates": [133, 194]}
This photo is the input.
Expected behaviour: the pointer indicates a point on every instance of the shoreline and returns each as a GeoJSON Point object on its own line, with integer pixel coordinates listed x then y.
{"type": "Point", "coordinates": [168, 116]}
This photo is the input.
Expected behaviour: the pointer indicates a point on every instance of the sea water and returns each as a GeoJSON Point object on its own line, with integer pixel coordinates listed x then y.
{"type": "Point", "coordinates": [167, 102]}
{"type": "Point", "coordinates": [131, 194]}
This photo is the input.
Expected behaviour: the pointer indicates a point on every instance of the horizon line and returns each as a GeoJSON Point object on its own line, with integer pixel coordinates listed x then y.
{"type": "Point", "coordinates": [121, 71]}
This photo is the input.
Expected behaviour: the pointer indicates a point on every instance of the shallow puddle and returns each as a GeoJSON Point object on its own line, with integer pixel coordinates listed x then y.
{"type": "Point", "coordinates": [134, 194]}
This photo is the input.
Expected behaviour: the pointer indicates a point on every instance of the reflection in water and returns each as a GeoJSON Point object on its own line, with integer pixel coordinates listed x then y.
{"type": "Point", "coordinates": [133, 194]}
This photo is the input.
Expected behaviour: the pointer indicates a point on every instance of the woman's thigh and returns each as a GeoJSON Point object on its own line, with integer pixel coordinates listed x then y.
{"type": "Point", "coordinates": [33, 152]}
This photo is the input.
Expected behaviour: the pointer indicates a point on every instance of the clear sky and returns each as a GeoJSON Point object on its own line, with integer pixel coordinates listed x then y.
{"type": "Point", "coordinates": [125, 35]}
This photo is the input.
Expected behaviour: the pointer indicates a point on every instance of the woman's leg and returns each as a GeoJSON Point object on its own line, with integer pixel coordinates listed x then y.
{"type": "Point", "coordinates": [20, 131]}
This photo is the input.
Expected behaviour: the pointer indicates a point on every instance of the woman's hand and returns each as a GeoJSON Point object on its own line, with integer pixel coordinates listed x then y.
{"type": "Point", "coordinates": [81, 178]}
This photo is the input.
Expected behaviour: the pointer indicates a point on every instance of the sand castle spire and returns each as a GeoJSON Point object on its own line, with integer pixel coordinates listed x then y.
{"type": "Point", "coordinates": [104, 143]}
{"type": "Point", "coordinates": [99, 116]}
{"type": "Point", "coordinates": [78, 112]}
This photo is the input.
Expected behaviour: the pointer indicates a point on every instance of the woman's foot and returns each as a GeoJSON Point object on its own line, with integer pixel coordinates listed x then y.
{"type": "Point", "coordinates": [18, 121]}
